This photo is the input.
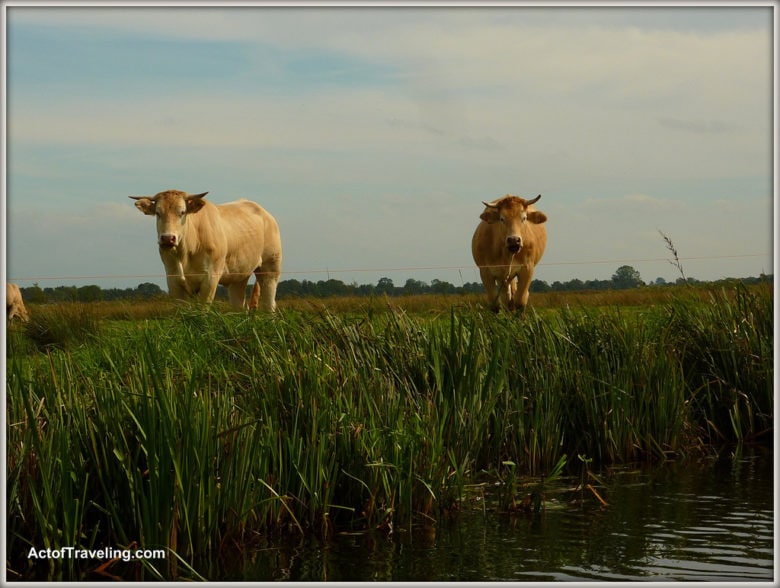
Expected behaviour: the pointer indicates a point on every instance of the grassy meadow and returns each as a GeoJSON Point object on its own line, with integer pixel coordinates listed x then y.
{"type": "Point", "coordinates": [158, 424]}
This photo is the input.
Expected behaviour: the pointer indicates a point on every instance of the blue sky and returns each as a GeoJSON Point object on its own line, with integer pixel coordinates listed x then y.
{"type": "Point", "coordinates": [372, 134]}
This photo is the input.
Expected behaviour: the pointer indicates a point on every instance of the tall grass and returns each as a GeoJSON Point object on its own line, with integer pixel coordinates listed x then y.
{"type": "Point", "coordinates": [725, 348]}
{"type": "Point", "coordinates": [201, 431]}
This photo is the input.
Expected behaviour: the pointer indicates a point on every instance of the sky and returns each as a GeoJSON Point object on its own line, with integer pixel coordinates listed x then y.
{"type": "Point", "coordinates": [373, 134]}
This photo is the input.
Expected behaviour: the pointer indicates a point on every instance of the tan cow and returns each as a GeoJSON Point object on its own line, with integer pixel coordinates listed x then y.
{"type": "Point", "coordinates": [203, 245]}
{"type": "Point", "coordinates": [14, 305]}
{"type": "Point", "coordinates": [506, 246]}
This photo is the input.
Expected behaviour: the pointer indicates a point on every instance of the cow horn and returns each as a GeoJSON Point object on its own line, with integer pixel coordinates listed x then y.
{"type": "Point", "coordinates": [197, 195]}
{"type": "Point", "coordinates": [529, 202]}
{"type": "Point", "coordinates": [137, 197]}
{"type": "Point", "coordinates": [494, 203]}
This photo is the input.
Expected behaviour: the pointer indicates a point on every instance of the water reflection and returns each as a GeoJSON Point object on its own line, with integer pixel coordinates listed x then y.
{"type": "Point", "coordinates": [712, 522]}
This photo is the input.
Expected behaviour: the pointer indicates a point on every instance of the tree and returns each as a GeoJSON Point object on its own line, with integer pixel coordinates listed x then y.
{"type": "Point", "coordinates": [90, 293]}
{"type": "Point", "coordinates": [148, 290]}
{"type": "Point", "coordinates": [413, 286]}
{"type": "Point", "coordinates": [440, 287]}
{"type": "Point", "coordinates": [33, 294]}
{"type": "Point", "coordinates": [385, 286]}
{"type": "Point", "coordinates": [573, 285]}
{"type": "Point", "coordinates": [626, 277]}
{"type": "Point", "coordinates": [333, 287]}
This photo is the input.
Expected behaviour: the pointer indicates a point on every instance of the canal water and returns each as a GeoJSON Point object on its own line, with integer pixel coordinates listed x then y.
{"type": "Point", "coordinates": [708, 520]}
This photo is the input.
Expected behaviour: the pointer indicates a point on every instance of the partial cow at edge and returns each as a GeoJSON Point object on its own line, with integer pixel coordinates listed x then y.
{"type": "Point", "coordinates": [204, 244]}
{"type": "Point", "coordinates": [14, 305]}
{"type": "Point", "coordinates": [507, 245]}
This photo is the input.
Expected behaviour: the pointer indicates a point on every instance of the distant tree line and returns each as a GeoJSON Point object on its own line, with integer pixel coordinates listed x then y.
{"type": "Point", "coordinates": [625, 277]}
{"type": "Point", "coordinates": [92, 293]}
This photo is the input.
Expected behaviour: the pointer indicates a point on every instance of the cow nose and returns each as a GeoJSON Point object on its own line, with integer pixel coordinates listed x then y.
{"type": "Point", "coordinates": [167, 240]}
{"type": "Point", "coordinates": [514, 243]}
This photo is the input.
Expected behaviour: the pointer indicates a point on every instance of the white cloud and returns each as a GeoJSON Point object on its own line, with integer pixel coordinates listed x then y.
{"type": "Point", "coordinates": [462, 84]}
{"type": "Point", "coordinates": [463, 104]}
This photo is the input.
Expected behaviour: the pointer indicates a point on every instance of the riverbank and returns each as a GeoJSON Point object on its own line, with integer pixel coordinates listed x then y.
{"type": "Point", "coordinates": [198, 431]}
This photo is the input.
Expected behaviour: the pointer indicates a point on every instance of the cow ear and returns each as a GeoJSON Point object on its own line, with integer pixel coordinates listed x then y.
{"type": "Point", "coordinates": [490, 214]}
{"type": "Point", "coordinates": [195, 202]}
{"type": "Point", "coordinates": [145, 205]}
{"type": "Point", "coordinates": [537, 217]}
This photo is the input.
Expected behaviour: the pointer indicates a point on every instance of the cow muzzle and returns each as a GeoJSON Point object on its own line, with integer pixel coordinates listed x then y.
{"type": "Point", "coordinates": [167, 241]}
{"type": "Point", "coordinates": [514, 244]}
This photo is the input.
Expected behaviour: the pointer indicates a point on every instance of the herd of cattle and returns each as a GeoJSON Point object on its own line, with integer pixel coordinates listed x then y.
{"type": "Point", "coordinates": [203, 244]}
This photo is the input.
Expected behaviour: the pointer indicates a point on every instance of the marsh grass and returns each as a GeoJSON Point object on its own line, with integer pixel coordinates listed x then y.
{"type": "Point", "coordinates": [726, 351]}
{"type": "Point", "coordinates": [203, 430]}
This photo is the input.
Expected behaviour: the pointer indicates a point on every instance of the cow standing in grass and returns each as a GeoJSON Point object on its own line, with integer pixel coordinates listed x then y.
{"type": "Point", "coordinates": [507, 244]}
{"type": "Point", "coordinates": [203, 244]}
{"type": "Point", "coordinates": [14, 305]}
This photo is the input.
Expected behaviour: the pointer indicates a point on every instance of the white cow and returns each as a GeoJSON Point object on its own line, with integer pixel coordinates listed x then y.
{"type": "Point", "coordinates": [204, 244]}
{"type": "Point", "coordinates": [14, 305]}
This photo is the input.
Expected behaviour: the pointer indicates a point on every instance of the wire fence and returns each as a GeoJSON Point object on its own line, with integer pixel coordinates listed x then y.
{"type": "Point", "coordinates": [389, 269]}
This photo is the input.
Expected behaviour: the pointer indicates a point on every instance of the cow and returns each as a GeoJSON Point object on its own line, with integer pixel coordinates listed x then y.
{"type": "Point", "coordinates": [204, 244]}
{"type": "Point", "coordinates": [506, 246]}
{"type": "Point", "coordinates": [14, 305]}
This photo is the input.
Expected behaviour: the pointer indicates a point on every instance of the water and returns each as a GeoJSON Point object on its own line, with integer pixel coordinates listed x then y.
{"type": "Point", "coordinates": [711, 521]}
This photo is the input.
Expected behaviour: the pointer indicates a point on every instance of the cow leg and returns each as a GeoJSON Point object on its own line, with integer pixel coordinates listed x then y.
{"type": "Point", "coordinates": [174, 277]}
{"type": "Point", "coordinates": [523, 284]}
{"type": "Point", "coordinates": [489, 282]}
{"type": "Point", "coordinates": [208, 286]}
{"type": "Point", "coordinates": [177, 288]}
{"type": "Point", "coordinates": [237, 294]}
{"type": "Point", "coordinates": [268, 283]}
{"type": "Point", "coordinates": [267, 275]}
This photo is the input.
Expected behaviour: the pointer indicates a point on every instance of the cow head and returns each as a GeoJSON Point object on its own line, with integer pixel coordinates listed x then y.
{"type": "Point", "coordinates": [171, 209]}
{"type": "Point", "coordinates": [512, 212]}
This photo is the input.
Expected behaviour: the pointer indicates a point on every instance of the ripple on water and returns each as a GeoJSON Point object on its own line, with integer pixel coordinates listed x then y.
{"type": "Point", "coordinates": [688, 524]}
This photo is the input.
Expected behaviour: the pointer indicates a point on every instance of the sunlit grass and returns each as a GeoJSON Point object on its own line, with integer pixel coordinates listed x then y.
{"type": "Point", "coordinates": [199, 430]}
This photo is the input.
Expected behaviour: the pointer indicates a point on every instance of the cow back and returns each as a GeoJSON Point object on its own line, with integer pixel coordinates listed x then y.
{"type": "Point", "coordinates": [251, 234]}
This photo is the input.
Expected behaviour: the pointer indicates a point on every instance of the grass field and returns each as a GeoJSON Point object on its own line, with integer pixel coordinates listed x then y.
{"type": "Point", "coordinates": [198, 430]}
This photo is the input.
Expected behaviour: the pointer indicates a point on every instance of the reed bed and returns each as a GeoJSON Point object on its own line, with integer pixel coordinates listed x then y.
{"type": "Point", "coordinates": [200, 431]}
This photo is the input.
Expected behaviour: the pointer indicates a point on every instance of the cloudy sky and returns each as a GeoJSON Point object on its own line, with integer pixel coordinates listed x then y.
{"type": "Point", "coordinates": [373, 133]}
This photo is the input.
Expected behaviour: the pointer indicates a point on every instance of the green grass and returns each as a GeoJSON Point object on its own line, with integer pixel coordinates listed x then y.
{"type": "Point", "coordinates": [201, 431]}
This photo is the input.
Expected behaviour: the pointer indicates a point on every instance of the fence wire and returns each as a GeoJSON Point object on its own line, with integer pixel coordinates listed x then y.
{"type": "Point", "coordinates": [329, 271]}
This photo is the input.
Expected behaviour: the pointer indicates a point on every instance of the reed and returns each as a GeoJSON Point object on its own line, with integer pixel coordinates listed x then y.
{"type": "Point", "coordinates": [725, 348]}
{"type": "Point", "coordinates": [202, 431]}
